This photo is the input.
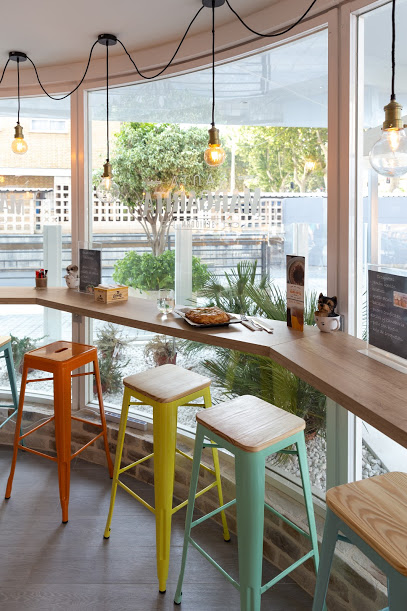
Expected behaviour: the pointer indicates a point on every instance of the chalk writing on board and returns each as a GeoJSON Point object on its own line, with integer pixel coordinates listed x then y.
{"type": "Point", "coordinates": [90, 269]}
{"type": "Point", "coordinates": [388, 312]}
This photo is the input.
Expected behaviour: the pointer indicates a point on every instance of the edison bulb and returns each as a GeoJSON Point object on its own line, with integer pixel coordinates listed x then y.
{"type": "Point", "coordinates": [389, 155]}
{"type": "Point", "coordinates": [107, 190]}
{"type": "Point", "coordinates": [214, 155]}
{"type": "Point", "coordinates": [19, 146]}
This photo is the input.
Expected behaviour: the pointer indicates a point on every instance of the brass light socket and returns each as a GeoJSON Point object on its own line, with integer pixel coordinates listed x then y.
{"type": "Point", "coordinates": [107, 170]}
{"type": "Point", "coordinates": [18, 132]}
{"type": "Point", "coordinates": [214, 135]}
{"type": "Point", "coordinates": [392, 116]}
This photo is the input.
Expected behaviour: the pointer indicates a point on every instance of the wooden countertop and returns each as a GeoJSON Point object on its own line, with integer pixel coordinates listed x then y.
{"type": "Point", "coordinates": [328, 361]}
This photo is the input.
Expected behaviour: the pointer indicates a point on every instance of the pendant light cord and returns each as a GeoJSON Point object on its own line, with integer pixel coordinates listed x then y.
{"type": "Point", "coordinates": [213, 63]}
{"type": "Point", "coordinates": [393, 48]}
{"type": "Point", "coordinates": [107, 102]}
{"type": "Point", "coordinates": [18, 91]}
{"type": "Point", "coordinates": [144, 76]}
{"type": "Point", "coordinates": [275, 33]}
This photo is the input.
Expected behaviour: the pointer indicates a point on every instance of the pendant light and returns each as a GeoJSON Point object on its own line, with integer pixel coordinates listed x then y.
{"type": "Point", "coordinates": [389, 155]}
{"type": "Point", "coordinates": [107, 191]}
{"type": "Point", "coordinates": [214, 155]}
{"type": "Point", "coordinates": [19, 145]}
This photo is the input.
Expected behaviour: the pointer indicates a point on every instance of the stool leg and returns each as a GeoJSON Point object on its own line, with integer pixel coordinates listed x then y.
{"type": "Point", "coordinates": [17, 431]}
{"type": "Point", "coordinates": [62, 412]}
{"type": "Point", "coordinates": [397, 591]}
{"type": "Point", "coordinates": [250, 485]}
{"type": "Point", "coordinates": [306, 487]}
{"type": "Point", "coordinates": [119, 451]}
{"type": "Point", "coordinates": [199, 438]}
{"type": "Point", "coordinates": [215, 455]}
{"type": "Point", "coordinates": [102, 415]}
{"type": "Point", "coordinates": [8, 353]}
{"type": "Point", "coordinates": [327, 553]}
{"type": "Point", "coordinates": [165, 437]}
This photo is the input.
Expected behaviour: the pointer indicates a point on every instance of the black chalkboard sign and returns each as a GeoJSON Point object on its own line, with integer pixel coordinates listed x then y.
{"type": "Point", "coordinates": [90, 269]}
{"type": "Point", "coordinates": [388, 312]}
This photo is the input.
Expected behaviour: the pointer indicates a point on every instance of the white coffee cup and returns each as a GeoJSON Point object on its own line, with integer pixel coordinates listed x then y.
{"type": "Point", "coordinates": [326, 324]}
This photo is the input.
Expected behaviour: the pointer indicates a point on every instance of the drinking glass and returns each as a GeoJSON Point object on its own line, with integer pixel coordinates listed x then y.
{"type": "Point", "coordinates": [165, 301]}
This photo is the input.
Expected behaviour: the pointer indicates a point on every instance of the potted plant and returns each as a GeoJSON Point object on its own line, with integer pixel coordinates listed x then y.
{"type": "Point", "coordinates": [161, 350]}
{"type": "Point", "coordinates": [111, 343]}
{"type": "Point", "coordinates": [21, 345]}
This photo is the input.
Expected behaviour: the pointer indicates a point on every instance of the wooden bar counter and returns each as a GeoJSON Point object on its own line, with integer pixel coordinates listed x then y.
{"type": "Point", "coordinates": [328, 361]}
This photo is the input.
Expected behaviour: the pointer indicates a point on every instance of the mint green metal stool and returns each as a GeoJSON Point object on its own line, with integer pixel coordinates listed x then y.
{"type": "Point", "coordinates": [7, 354]}
{"type": "Point", "coordinates": [372, 514]}
{"type": "Point", "coordinates": [251, 429]}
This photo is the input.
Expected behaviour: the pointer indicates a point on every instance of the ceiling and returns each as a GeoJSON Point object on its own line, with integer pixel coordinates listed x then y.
{"type": "Point", "coordinates": [54, 33]}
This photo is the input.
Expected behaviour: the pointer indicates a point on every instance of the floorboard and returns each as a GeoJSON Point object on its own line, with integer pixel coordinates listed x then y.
{"type": "Point", "coordinates": [48, 566]}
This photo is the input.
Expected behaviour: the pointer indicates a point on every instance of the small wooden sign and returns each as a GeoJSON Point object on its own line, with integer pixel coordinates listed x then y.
{"type": "Point", "coordinates": [90, 269]}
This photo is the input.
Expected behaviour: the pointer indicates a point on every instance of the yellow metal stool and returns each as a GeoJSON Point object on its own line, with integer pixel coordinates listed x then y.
{"type": "Point", "coordinates": [164, 388]}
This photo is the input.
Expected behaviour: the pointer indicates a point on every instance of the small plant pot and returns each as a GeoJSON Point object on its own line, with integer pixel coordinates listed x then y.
{"type": "Point", "coordinates": [161, 359]}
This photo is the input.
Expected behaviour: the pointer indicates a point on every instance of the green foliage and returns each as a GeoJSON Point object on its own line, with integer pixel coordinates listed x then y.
{"type": "Point", "coordinates": [110, 343]}
{"type": "Point", "coordinates": [21, 345]}
{"type": "Point", "coordinates": [150, 273]}
{"type": "Point", "coordinates": [238, 373]}
{"type": "Point", "coordinates": [160, 158]}
{"type": "Point", "coordinates": [160, 350]}
{"type": "Point", "coordinates": [279, 156]}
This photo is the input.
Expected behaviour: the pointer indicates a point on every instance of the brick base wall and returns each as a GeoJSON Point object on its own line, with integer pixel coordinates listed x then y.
{"type": "Point", "coordinates": [356, 584]}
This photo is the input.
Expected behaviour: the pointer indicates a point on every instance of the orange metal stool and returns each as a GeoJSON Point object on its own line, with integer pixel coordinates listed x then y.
{"type": "Point", "coordinates": [60, 359]}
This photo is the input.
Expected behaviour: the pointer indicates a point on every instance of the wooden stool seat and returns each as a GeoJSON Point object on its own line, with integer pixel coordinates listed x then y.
{"type": "Point", "coordinates": [167, 383]}
{"type": "Point", "coordinates": [60, 359]}
{"type": "Point", "coordinates": [376, 510]}
{"type": "Point", "coordinates": [249, 423]}
{"type": "Point", "coordinates": [61, 352]}
{"type": "Point", "coordinates": [4, 339]}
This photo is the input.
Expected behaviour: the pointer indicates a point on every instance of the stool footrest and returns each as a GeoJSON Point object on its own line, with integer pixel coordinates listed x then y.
{"type": "Point", "coordinates": [212, 513]}
{"type": "Point", "coordinates": [287, 521]}
{"type": "Point", "coordinates": [288, 570]}
{"type": "Point", "coordinates": [214, 563]}
{"type": "Point", "coordinates": [181, 505]}
{"type": "Point", "coordinates": [48, 420]}
{"type": "Point", "coordinates": [191, 459]}
{"type": "Point", "coordinates": [134, 464]}
{"type": "Point", "coordinates": [86, 421]}
{"type": "Point", "coordinates": [86, 445]}
{"type": "Point", "coordinates": [136, 496]}
{"type": "Point", "coordinates": [8, 418]}
{"type": "Point", "coordinates": [53, 458]}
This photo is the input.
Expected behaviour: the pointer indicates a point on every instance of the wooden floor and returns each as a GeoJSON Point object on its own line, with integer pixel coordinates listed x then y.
{"type": "Point", "coordinates": [48, 566]}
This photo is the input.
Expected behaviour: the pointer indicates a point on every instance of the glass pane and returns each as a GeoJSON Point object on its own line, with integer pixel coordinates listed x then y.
{"type": "Point", "coordinates": [35, 221]}
{"type": "Point", "coordinates": [271, 109]}
{"type": "Point", "coordinates": [382, 216]}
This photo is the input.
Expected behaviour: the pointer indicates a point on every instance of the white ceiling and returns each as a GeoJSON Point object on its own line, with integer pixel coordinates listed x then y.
{"type": "Point", "coordinates": [52, 32]}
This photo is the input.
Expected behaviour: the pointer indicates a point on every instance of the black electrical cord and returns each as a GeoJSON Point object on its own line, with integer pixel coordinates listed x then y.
{"type": "Point", "coordinates": [393, 48]}
{"type": "Point", "coordinates": [4, 70]}
{"type": "Point", "coordinates": [144, 76]}
{"type": "Point", "coordinates": [275, 33]}
{"type": "Point", "coordinates": [18, 91]}
{"type": "Point", "coordinates": [213, 63]}
{"type": "Point", "coordinates": [107, 102]}
{"type": "Point", "coordinates": [73, 90]}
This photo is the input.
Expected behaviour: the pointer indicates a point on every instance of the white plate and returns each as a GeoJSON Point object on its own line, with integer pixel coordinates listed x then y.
{"type": "Point", "coordinates": [182, 310]}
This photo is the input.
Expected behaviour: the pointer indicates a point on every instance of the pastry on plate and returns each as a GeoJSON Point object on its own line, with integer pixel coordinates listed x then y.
{"type": "Point", "coordinates": [208, 316]}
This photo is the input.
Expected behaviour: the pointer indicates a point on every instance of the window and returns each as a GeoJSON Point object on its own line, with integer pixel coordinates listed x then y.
{"type": "Point", "coordinates": [50, 126]}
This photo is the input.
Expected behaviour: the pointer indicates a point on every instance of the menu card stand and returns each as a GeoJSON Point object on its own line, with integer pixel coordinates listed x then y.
{"type": "Point", "coordinates": [90, 266]}
{"type": "Point", "coordinates": [387, 317]}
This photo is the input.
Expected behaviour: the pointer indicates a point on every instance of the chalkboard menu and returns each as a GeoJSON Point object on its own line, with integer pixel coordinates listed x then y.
{"type": "Point", "coordinates": [388, 312]}
{"type": "Point", "coordinates": [90, 269]}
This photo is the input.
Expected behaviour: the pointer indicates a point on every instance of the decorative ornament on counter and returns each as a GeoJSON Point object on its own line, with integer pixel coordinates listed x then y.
{"type": "Point", "coordinates": [72, 277]}
{"type": "Point", "coordinates": [326, 306]}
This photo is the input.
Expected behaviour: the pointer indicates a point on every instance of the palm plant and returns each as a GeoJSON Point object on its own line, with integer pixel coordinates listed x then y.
{"type": "Point", "coordinates": [238, 373]}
